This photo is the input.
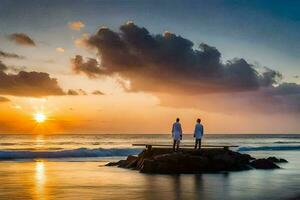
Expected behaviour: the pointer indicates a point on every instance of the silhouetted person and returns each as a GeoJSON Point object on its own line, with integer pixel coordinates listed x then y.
{"type": "Point", "coordinates": [176, 134]}
{"type": "Point", "coordinates": [198, 134]}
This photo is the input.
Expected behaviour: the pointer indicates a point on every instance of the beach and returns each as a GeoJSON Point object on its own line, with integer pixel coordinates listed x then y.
{"type": "Point", "coordinates": [78, 171]}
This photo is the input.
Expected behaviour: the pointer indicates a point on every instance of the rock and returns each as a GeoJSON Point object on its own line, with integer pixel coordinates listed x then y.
{"type": "Point", "coordinates": [111, 164]}
{"type": "Point", "coordinates": [131, 162]}
{"type": "Point", "coordinates": [264, 164]}
{"type": "Point", "coordinates": [277, 160]}
{"type": "Point", "coordinates": [149, 166]}
{"type": "Point", "coordinates": [120, 162]}
{"type": "Point", "coordinates": [165, 161]}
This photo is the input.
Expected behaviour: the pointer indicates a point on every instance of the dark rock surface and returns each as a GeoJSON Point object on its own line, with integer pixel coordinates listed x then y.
{"type": "Point", "coordinates": [119, 163]}
{"type": "Point", "coordinates": [263, 164]}
{"type": "Point", "coordinates": [165, 161]}
{"type": "Point", "coordinates": [277, 160]}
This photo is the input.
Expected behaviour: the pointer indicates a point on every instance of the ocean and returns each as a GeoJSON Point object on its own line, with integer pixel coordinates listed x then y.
{"type": "Point", "coordinates": [72, 167]}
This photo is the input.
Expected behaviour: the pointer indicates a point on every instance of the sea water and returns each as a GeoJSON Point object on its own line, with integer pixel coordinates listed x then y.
{"type": "Point", "coordinates": [72, 167]}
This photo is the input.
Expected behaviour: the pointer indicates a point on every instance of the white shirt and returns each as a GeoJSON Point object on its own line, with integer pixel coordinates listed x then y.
{"type": "Point", "coordinates": [198, 133]}
{"type": "Point", "coordinates": [176, 131]}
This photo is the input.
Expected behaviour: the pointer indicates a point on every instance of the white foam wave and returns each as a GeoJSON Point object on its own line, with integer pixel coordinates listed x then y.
{"type": "Point", "coordinates": [270, 148]}
{"type": "Point", "coordinates": [74, 153]}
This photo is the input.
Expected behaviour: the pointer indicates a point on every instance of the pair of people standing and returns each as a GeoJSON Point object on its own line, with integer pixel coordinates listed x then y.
{"type": "Point", "coordinates": [177, 134]}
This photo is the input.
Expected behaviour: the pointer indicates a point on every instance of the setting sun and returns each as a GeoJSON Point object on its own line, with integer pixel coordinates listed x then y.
{"type": "Point", "coordinates": [39, 117]}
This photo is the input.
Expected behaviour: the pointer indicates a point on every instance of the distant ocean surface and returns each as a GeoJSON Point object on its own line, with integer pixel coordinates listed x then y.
{"type": "Point", "coordinates": [72, 167]}
{"type": "Point", "coordinates": [76, 146]}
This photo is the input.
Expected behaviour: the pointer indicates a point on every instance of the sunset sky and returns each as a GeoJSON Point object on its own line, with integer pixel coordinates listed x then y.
{"type": "Point", "coordinates": [102, 66]}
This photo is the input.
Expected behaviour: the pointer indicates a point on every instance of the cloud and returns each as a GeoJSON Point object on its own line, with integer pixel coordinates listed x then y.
{"type": "Point", "coordinates": [168, 63]}
{"type": "Point", "coordinates": [287, 95]}
{"type": "Point", "coordinates": [60, 49]}
{"type": "Point", "coordinates": [4, 99]}
{"type": "Point", "coordinates": [90, 67]}
{"type": "Point", "coordinates": [82, 92]}
{"type": "Point", "coordinates": [72, 92]}
{"type": "Point", "coordinates": [76, 25]}
{"type": "Point", "coordinates": [97, 92]}
{"type": "Point", "coordinates": [4, 54]}
{"type": "Point", "coordinates": [28, 83]}
{"type": "Point", "coordinates": [81, 41]}
{"type": "Point", "coordinates": [270, 77]}
{"type": "Point", "coordinates": [76, 92]}
{"type": "Point", "coordinates": [3, 67]}
{"type": "Point", "coordinates": [286, 89]}
{"type": "Point", "coordinates": [22, 39]}
{"type": "Point", "coordinates": [282, 99]}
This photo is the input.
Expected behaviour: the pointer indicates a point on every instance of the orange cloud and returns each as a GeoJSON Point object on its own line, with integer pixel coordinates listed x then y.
{"type": "Point", "coordinates": [60, 49]}
{"type": "Point", "coordinates": [82, 42]}
{"type": "Point", "coordinates": [76, 25]}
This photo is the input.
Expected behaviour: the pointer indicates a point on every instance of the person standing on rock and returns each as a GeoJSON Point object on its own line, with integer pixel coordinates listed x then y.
{"type": "Point", "coordinates": [198, 134]}
{"type": "Point", "coordinates": [176, 134]}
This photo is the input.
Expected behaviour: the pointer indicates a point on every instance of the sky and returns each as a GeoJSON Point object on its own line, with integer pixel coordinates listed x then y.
{"type": "Point", "coordinates": [102, 66]}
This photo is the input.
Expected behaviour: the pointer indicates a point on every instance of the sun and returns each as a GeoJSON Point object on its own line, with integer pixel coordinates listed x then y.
{"type": "Point", "coordinates": [39, 117]}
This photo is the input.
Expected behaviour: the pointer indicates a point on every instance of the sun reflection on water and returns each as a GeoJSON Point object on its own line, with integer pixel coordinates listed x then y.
{"type": "Point", "coordinates": [39, 142]}
{"type": "Point", "coordinates": [40, 180]}
{"type": "Point", "coordinates": [40, 172]}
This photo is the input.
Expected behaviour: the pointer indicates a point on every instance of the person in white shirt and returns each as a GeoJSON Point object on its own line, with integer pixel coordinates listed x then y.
{"type": "Point", "coordinates": [176, 134]}
{"type": "Point", "coordinates": [198, 134]}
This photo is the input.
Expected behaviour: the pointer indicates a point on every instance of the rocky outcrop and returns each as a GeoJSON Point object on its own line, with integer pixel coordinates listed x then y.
{"type": "Point", "coordinates": [164, 161]}
{"type": "Point", "coordinates": [263, 164]}
{"type": "Point", "coordinates": [130, 162]}
{"type": "Point", "coordinates": [277, 160]}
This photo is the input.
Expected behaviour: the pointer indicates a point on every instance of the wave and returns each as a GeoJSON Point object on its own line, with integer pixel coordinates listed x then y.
{"type": "Point", "coordinates": [74, 153]}
{"type": "Point", "coordinates": [270, 148]}
{"type": "Point", "coordinates": [287, 142]}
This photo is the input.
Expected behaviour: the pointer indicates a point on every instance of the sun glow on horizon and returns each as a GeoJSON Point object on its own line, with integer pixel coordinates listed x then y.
{"type": "Point", "coordinates": [39, 117]}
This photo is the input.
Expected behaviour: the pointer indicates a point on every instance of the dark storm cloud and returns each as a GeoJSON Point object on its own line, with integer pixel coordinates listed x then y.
{"type": "Point", "coordinates": [28, 83]}
{"type": "Point", "coordinates": [282, 98]}
{"type": "Point", "coordinates": [287, 89]}
{"type": "Point", "coordinates": [4, 99]}
{"type": "Point", "coordinates": [270, 77]}
{"type": "Point", "coordinates": [21, 39]}
{"type": "Point", "coordinates": [4, 54]}
{"type": "Point", "coordinates": [170, 64]}
{"type": "Point", "coordinates": [89, 67]}
{"type": "Point", "coordinates": [164, 61]}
